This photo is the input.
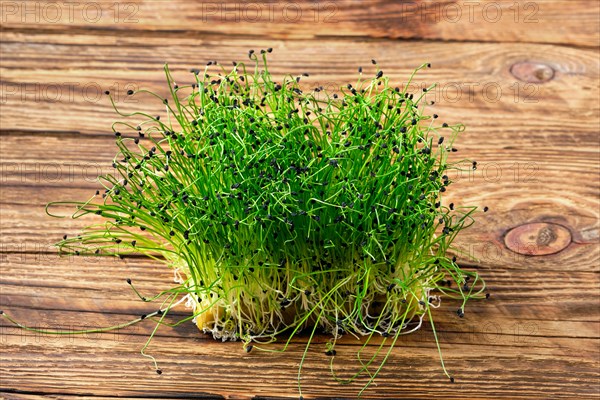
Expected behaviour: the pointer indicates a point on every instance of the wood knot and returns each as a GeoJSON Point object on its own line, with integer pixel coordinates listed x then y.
{"type": "Point", "coordinates": [532, 72]}
{"type": "Point", "coordinates": [538, 239]}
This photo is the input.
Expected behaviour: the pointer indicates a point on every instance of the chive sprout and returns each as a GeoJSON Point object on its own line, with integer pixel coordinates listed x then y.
{"type": "Point", "coordinates": [281, 209]}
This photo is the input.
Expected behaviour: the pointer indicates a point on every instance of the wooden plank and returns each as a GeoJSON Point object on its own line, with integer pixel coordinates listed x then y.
{"type": "Point", "coordinates": [519, 322]}
{"type": "Point", "coordinates": [514, 183]}
{"type": "Point", "coordinates": [537, 147]}
{"type": "Point", "coordinates": [51, 279]}
{"type": "Point", "coordinates": [77, 161]}
{"type": "Point", "coordinates": [205, 366]}
{"type": "Point", "coordinates": [223, 369]}
{"type": "Point", "coordinates": [542, 21]}
{"type": "Point", "coordinates": [36, 396]}
{"type": "Point", "coordinates": [23, 213]}
{"type": "Point", "coordinates": [67, 94]}
{"type": "Point", "coordinates": [22, 217]}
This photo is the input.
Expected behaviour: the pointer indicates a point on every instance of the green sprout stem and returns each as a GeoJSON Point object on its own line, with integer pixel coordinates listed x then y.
{"type": "Point", "coordinates": [281, 208]}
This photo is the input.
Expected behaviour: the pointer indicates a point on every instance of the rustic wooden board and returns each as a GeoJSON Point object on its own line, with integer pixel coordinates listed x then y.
{"type": "Point", "coordinates": [473, 79]}
{"type": "Point", "coordinates": [519, 319]}
{"type": "Point", "coordinates": [32, 180]}
{"type": "Point", "coordinates": [537, 145]}
{"type": "Point", "coordinates": [542, 21]}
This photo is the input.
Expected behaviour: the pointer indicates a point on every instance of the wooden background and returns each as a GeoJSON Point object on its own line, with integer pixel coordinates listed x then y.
{"type": "Point", "coordinates": [525, 84]}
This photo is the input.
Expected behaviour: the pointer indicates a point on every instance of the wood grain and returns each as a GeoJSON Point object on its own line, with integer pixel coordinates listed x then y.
{"type": "Point", "coordinates": [538, 153]}
{"type": "Point", "coordinates": [518, 318]}
{"type": "Point", "coordinates": [32, 180]}
{"type": "Point", "coordinates": [67, 94]}
{"type": "Point", "coordinates": [542, 21]}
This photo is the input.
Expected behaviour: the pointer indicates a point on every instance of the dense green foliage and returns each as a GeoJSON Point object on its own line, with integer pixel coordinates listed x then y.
{"type": "Point", "coordinates": [282, 209]}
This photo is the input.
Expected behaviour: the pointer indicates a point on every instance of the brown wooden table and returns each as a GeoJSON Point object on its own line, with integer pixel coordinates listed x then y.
{"type": "Point", "coordinates": [522, 76]}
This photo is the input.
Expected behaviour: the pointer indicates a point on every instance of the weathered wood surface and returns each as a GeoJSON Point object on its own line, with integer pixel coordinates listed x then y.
{"type": "Point", "coordinates": [517, 334]}
{"type": "Point", "coordinates": [537, 146]}
{"type": "Point", "coordinates": [31, 180]}
{"type": "Point", "coordinates": [73, 78]}
{"type": "Point", "coordinates": [542, 21]}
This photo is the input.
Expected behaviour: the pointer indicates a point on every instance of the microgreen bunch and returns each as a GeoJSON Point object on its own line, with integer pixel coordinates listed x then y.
{"type": "Point", "coordinates": [282, 210]}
